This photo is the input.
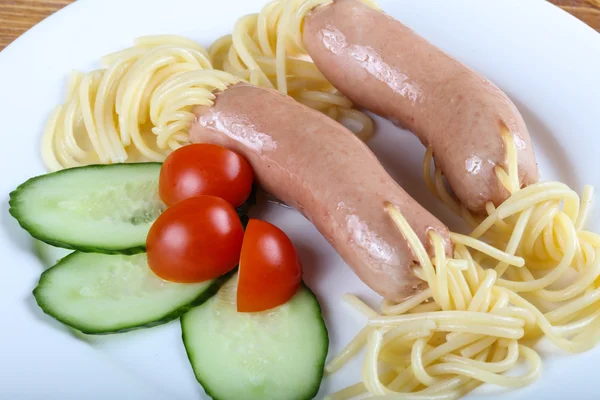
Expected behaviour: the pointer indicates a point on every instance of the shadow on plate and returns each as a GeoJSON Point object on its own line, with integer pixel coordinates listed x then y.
{"type": "Point", "coordinates": [39, 315]}
{"type": "Point", "coordinates": [25, 243]}
{"type": "Point", "coordinates": [314, 269]}
{"type": "Point", "coordinates": [401, 154]}
{"type": "Point", "coordinates": [546, 143]}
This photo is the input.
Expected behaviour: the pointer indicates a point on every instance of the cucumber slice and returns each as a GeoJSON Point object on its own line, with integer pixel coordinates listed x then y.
{"type": "Point", "coordinates": [101, 293]}
{"type": "Point", "coordinates": [277, 354]}
{"type": "Point", "coordinates": [98, 208]}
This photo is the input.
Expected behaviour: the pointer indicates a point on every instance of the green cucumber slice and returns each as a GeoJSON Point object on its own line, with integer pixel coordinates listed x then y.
{"type": "Point", "coordinates": [97, 208]}
{"type": "Point", "coordinates": [278, 354]}
{"type": "Point", "coordinates": [101, 293]}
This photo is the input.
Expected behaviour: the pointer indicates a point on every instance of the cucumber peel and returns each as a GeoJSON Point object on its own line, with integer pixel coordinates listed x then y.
{"type": "Point", "coordinates": [278, 354]}
{"type": "Point", "coordinates": [97, 208]}
{"type": "Point", "coordinates": [101, 293]}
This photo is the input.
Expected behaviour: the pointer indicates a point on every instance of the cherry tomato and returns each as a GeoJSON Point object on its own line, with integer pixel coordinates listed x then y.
{"type": "Point", "coordinates": [270, 271]}
{"type": "Point", "coordinates": [195, 240]}
{"type": "Point", "coordinates": [205, 169]}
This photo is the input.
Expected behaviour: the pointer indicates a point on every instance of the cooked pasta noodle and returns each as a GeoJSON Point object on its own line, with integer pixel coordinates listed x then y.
{"type": "Point", "coordinates": [544, 224]}
{"type": "Point", "coordinates": [266, 49]}
{"type": "Point", "coordinates": [137, 108]}
{"type": "Point", "coordinates": [472, 325]}
{"type": "Point", "coordinates": [448, 352]}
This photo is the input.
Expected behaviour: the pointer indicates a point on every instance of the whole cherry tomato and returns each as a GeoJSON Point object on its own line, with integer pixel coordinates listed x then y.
{"type": "Point", "coordinates": [195, 240]}
{"type": "Point", "coordinates": [205, 169]}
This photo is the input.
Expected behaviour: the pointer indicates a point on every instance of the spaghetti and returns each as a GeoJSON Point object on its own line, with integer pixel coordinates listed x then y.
{"type": "Point", "coordinates": [138, 108]}
{"type": "Point", "coordinates": [544, 224]}
{"type": "Point", "coordinates": [472, 325]}
{"type": "Point", "coordinates": [266, 49]}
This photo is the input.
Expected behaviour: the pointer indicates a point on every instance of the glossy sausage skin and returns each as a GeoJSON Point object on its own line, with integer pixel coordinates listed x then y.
{"type": "Point", "coordinates": [314, 164]}
{"type": "Point", "coordinates": [386, 68]}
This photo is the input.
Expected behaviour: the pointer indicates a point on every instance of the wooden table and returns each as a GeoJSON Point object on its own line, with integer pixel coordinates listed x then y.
{"type": "Point", "coordinates": [16, 16]}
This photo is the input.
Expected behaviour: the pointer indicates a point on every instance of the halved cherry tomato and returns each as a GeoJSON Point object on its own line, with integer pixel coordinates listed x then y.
{"type": "Point", "coordinates": [205, 169]}
{"type": "Point", "coordinates": [195, 240]}
{"type": "Point", "coordinates": [270, 271]}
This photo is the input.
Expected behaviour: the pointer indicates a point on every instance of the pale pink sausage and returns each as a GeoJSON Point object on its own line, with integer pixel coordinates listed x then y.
{"type": "Point", "coordinates": [314, 164]}
{"type": "Point", "coordinates": [385, 67]}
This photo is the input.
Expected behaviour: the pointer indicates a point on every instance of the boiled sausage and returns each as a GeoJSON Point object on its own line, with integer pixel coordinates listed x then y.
{"type": "Point", "coordinates": [314, 164]}
{"type": "Point", "coordinates": [385, 67]}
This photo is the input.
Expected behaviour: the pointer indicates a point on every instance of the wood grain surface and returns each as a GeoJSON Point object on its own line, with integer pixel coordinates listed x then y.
{"type": "Point", "coordinates": [17, 16]}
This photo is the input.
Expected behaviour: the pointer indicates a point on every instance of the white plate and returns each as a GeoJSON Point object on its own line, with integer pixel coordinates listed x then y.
{"type": "Point", "coordinates": [546, 60]}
